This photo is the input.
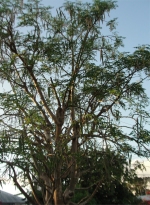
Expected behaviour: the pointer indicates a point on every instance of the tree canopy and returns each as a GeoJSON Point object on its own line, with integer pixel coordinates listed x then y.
{"type": "Point", "coordinates": [67, 91]}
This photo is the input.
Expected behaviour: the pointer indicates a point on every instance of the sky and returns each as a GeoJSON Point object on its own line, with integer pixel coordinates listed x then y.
{"type": "Point", "coordinates": [133, 20]}
{"type": "Point", "coordinates": [133, 24]}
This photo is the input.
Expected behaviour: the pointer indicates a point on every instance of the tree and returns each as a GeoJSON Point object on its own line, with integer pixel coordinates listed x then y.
{"type": "Point", "coordinates": [140, 185]}
{"type": "Point", "coordinates": [61, 104]}
{"type": "Point", "coordinates": [117, 180]}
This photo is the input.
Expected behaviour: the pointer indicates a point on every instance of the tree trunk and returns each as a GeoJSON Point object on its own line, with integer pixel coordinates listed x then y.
{"type": "Point", "coordinates": [58, 197]}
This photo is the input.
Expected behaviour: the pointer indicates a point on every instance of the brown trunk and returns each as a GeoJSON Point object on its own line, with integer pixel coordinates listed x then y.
{"type": "Point", "coordinates": [57, 197]}
{"type": "Point", "coordinates": [48, 193]}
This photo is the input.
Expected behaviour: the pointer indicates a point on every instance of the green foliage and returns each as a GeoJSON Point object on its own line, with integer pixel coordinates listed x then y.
{"type": "Point", "coordinates": [62, 117]}
{"type": "Point", "coordinates": [115, 176]}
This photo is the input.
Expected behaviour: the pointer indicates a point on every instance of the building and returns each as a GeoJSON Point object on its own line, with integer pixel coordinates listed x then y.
{"type": "Point", "coordinates": [9, 199]}
{"type": "Point", "coordinates": [146, 198]}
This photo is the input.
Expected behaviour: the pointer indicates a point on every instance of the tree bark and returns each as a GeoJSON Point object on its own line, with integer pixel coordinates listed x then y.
{"type": "Point", "coordinates": [58, 197]}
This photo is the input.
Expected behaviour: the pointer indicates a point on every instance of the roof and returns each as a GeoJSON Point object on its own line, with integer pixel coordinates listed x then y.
{"type": "Point", "coordinates": [9, 198]}
{"type": "Point", "coordinates": [144, 197]}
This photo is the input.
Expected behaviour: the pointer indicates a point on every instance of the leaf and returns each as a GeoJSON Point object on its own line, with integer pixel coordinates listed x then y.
{"type": "Point", "coordinates": [101, 55]}
{"type": "Point", "coordinates": [49, 89]}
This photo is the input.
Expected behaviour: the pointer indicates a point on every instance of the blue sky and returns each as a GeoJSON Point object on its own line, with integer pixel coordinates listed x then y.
{"type": "Point", "coordinates": [133, 24]}
{"type": "Point", "coordinates": [133, 20]}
